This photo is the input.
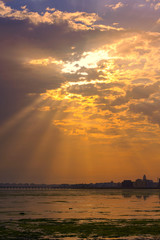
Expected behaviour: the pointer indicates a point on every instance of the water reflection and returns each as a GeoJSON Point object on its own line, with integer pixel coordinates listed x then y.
{"type": "Point", "coordinates": [142, 194]}
{"type": "Point", "coordinates": [58, 203]}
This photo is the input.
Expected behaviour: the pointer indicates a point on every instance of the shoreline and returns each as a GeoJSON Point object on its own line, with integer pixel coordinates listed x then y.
{"type": "Point", "coordinates": [43, 228]}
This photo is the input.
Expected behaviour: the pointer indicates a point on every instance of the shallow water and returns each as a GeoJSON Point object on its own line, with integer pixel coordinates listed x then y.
{"type": "Point", "coordinates": [81, 204]}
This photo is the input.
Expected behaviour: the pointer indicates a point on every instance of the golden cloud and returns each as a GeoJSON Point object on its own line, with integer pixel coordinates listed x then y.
{"type": "Point", "coordinates": [76, 20]}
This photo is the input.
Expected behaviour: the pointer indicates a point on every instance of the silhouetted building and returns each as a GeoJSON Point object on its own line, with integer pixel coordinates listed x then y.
{"type": "Point", "coordinates": [143, 183]}
{"type": "Point", "coordinates": [139, 183]}
{"type": "Point", "coordinates": [144, 178]}
{"type": "Point", "coordinates": [158, 183]}
{"type": "Point", "coordinates": [127, 184]}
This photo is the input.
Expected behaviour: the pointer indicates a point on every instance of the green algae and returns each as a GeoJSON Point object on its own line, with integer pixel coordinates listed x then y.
{"type": "Point", "coordinates": [80, 228]}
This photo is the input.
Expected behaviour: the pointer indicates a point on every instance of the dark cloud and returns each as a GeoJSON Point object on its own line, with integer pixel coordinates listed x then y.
{"type": "Point", "coordinates": [141, 81]}
{"type": "Point", "coordinates": [111, 85]}
{"type": "Point", "coordinates": [149, 109]}
{"type": "Point", "coordinates": [137, 92]}
{"type": "Point", "coordinates": [91, 89]}
{"type": "Point", "coordinates": [84, 90]}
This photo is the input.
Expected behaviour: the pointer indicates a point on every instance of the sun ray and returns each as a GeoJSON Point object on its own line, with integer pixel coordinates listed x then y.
{"type": "Point", "coordinates": [19, 116]}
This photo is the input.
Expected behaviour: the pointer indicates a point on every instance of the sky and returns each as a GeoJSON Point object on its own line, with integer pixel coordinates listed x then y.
{"type": "Point", "coordinates": [79, 90]}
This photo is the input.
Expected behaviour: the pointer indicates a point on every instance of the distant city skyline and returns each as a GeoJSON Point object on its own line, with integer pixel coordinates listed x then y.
{"type": "Point", "coordinates": [138, 183]}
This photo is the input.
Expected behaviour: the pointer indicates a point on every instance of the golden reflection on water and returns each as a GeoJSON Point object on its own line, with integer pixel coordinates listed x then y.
{"type": "Point", "coordinates": [82, 204]}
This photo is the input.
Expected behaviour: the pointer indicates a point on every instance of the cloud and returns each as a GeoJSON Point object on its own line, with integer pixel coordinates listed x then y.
{"type": "Point", "coordinates": [132, 14]}
{"type": "Point", "coordinates": [137, 92]}
{"type": "Point", "coordinates": [40, 50]}
{"type": "Point", "coordinates": [141, 80]}
{"type": "Point", "coordinates": [44, 108]}
{"type": "Point", "coordinates": [150, 109]}
{"type": "Point", "coordinates": [87, 60]}
{"type": "Point", "coordinates": [157, 6]}
{"type": "Point", "coordinates": [50, 9]}
{"type": "Point", "coordinates": [77, 77]}
{"type": "Point", "coordinates": [84, 90]}
{"type": "Point", "coordinates": [76, 20]}
{"type": "Point", "coordinates": [98, 72]}
{"type": "Point", "coordinates": [45, 61]}
{"type": "Point", "coordinates": [115, 6]}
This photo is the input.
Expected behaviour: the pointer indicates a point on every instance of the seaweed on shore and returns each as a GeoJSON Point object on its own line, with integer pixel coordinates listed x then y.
{"type": "Point", "coordinates": [27, 229]}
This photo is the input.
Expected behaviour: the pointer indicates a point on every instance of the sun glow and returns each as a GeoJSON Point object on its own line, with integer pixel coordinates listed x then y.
{"type": "Point", "coordinates": [88, 60]}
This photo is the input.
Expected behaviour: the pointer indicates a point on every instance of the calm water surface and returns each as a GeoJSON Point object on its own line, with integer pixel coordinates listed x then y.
{"type": "Point", "coordinates": [108, 204]}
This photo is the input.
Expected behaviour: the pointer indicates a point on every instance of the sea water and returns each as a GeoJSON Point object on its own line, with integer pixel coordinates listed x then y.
{"type": "Point", "coordinates": [80, 203]}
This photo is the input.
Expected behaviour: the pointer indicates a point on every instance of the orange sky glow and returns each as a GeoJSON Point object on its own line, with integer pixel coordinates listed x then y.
{"type": "Point", "coordinates": [80, 91]}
